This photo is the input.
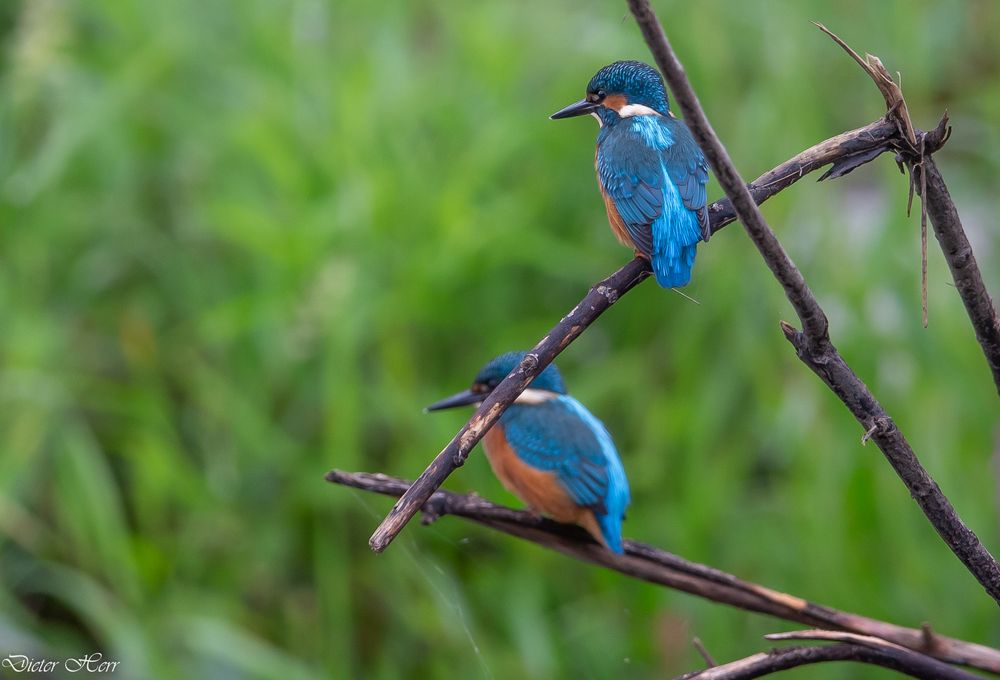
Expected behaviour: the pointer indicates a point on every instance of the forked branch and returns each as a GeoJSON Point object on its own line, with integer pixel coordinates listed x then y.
{"type": "Point", "coordinates": [813, 343]}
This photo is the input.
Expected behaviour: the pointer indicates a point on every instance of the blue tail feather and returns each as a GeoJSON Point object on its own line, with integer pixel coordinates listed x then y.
{"type": "Point", "coordinates": [611, 529]}
{"type": "Point", "coordinates": [672, 269]}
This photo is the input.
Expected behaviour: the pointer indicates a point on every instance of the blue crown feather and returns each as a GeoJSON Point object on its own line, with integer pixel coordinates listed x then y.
{"type": "Point", "coordinates": [641, 82]}
{"type": "Point", "coordinates": [499, 368]}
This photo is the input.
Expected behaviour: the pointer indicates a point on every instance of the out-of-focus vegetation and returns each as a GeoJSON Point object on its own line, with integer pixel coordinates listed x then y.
{"type": "Point", "coordinates": [245, 242]}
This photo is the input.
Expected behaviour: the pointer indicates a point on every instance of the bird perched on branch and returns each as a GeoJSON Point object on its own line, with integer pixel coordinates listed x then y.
{"type": "Point", "coordinates": [549, 451]}
{"type": "Point", "coordinates": [651, 172]}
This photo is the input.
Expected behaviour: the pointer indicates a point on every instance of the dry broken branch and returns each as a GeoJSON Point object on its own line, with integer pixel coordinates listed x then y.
{"type": "Point", "coordinates": [938, 204]}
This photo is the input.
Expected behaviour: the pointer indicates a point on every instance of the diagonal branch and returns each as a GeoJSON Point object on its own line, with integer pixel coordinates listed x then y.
{"type": "Point", "coordinates": [845, 152]}
{"type": "Point", "coordinates": [657, 566]}
{"type": "Point", "coordinates": [812, 343]}
{"type": "Point", "coordinates": [599, 298]}
{"type": "Point", "coordinates": [797, 291]}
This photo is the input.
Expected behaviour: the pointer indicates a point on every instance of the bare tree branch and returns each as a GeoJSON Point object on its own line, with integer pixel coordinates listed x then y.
{"type": "Point", "coordinates": [777, 660]}
{"type": "Point", "coordinates": [845, 152]}
{"type": "Point", "coordinates": [831, 636]}
{"type": "Point", "coordinates": [812, 343]}
{"type": "Point", "coordinates": [962, 263]}
{"type": "Point", "coordinates": [658, 566]}
{"type": "Point", "coordinates": [703, 651]}
{"type": "Point", "coordinates": [940, 207]}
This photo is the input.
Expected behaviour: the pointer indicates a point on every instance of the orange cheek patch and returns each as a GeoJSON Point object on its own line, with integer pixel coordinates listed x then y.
{"type": "Point", "coordinates": [615, 101]}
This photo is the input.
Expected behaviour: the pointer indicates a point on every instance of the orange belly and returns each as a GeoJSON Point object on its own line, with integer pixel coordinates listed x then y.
{"type": "Point", "coordinates": [541, 490]}
{"type": "Point", "coordinates": [615, 219]}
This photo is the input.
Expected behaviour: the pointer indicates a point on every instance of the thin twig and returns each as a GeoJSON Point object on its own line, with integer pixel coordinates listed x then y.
{"type": "Point", "coordinates": [869, 641]}
{"type": "Point", "coordinates": [832, 636]}
{"type": "Point", "coordinates": [891, 91]}
{"type": "Point", "coordinates": [658, 566]}
{"type": "Point", "coordinates": [845, 152]}
{"type": "Point", "coordinates": [703, 651]}
{"type": "Point", "coordinates": [923, 234]}
{"type": "Point", "coordinates": [777, 660]}
{"type": "Point", "coordinates": [868, 434]}
{"type": "Point", "coordinates": [923, 264]}
{"type": "Point", "coordinates": [812, 343]}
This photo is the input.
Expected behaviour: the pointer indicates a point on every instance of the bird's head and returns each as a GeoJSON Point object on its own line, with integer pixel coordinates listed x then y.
{"type": "Point", "coordinates": [620, 90]}
{"type": "Point", "coordinates": [547, 384]}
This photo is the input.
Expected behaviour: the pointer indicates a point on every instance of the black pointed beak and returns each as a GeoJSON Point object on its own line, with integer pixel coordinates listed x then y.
{"type": "Point", "coordinates": [580, 108]}
{"type": "Point", "coordinates": [463, 398]}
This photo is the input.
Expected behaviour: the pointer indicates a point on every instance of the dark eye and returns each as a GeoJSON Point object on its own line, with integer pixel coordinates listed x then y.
{"type": "Point", "coordinates": [601, 94]}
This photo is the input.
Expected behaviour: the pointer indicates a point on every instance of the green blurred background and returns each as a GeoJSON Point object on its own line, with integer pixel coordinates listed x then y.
{"type": "Point", "coordinates": [245, 242]}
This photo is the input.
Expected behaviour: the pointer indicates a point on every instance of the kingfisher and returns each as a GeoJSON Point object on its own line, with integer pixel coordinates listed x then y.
{"type": "Point", "coordinates": [551, 452]}
{"type": "Point", "coordinates": [650, 170]}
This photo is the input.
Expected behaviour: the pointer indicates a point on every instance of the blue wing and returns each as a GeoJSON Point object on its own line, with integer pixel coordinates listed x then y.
{"type": "Point", "coordinates": [655, 174]}
{"type": "Point", "coordinates": [631, 174]}
{"type": "Point", "coordinates": [688, 170]}
{"type": "Point", "coordinates": [550, 436]}
{"type": "Point", "coordinates": [561, 436]}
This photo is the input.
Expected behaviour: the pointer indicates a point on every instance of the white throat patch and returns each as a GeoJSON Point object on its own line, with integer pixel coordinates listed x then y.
{"type": "Point", "coordinates": [532, 396]}
{"type": "Point", "coordinates": [636, 110]}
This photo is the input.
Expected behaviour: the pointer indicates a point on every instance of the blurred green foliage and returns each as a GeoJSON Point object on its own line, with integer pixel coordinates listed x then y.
{"type": "Point", "coordinates": [245, 242]}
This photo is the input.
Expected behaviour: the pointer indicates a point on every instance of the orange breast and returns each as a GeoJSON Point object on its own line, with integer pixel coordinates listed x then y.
{"type": "Point", "coordinates": [616, 221]}
{"type": "Point", "coordinates": [541, 490]}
